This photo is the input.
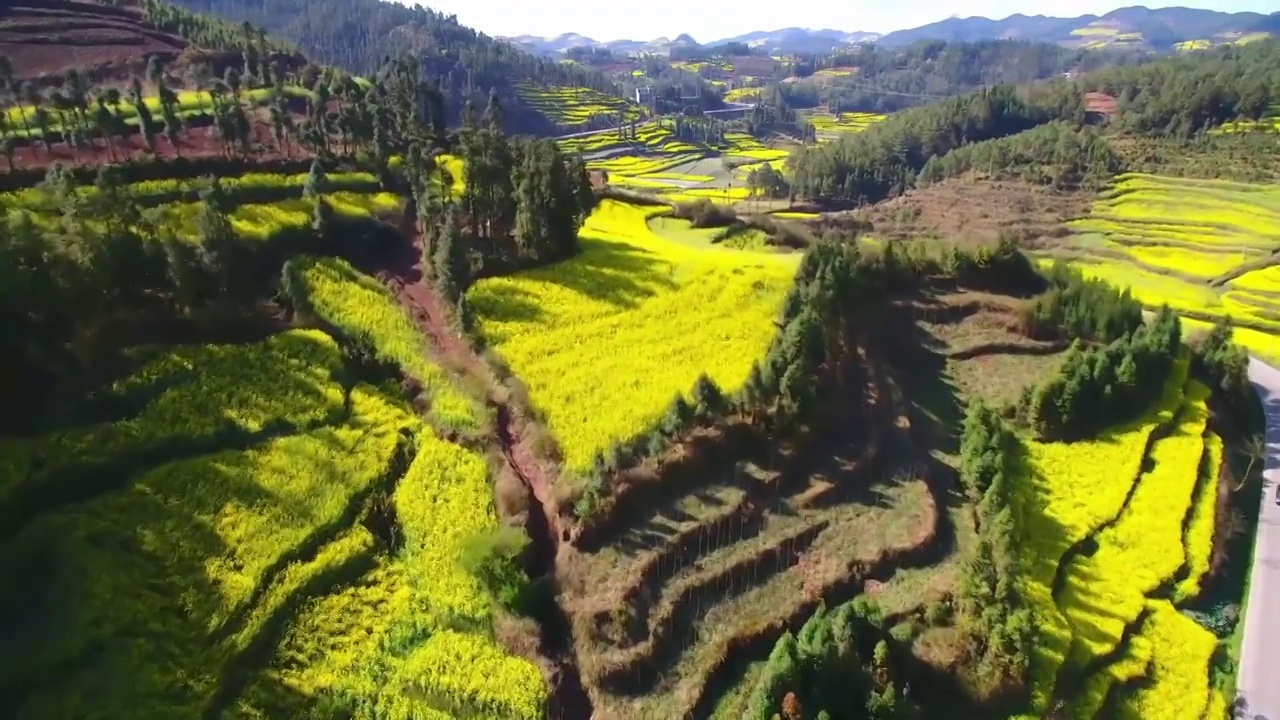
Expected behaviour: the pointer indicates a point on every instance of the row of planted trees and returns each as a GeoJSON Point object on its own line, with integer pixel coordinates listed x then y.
{"type": "Point", "coordinates": [323, 111]}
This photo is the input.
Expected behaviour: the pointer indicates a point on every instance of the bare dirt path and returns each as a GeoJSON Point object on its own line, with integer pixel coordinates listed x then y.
{"type": "Point", "coordinates": [404, 276]}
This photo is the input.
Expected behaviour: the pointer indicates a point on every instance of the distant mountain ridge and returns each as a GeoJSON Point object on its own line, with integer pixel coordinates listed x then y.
{"type": "Point", "coordinates": [1161, 29]}
{"type": "Point", "coordinates": [786, 40]}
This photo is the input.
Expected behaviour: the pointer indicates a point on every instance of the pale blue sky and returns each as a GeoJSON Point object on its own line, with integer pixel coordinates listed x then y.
{"type": "Point", "coordinates": [708, 20]}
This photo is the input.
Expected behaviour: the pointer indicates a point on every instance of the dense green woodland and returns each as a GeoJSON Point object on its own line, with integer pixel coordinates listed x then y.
{"type": "Point", "coordinates": [358, 34]}
{"type": "Point", "coordinates": [892, 79]}
{"type": "Point", "coordinates": [1180, 97]}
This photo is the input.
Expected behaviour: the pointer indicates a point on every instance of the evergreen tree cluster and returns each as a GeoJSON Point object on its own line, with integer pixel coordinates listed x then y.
{"type": "Point", "coordinates": [836, 668]}
{"type": "Point", "coordinates": [1074, 306]}
{"type": "Point", "coordinates": [1185, 95]}
{"type": "Point", "coordinates": [522, 205]}
{"type": "Point", "coordinates": [1225, 365]}
{"type": "Point", "coordinates": [1171, 97]}
{"type": "Point", "coordinates": [989, 598]}
{"type": "Point", "coordinates": [883, 161]}
{"type": "Point", "coordinates": [1099, 387]}
{"type": "Point", "coordinates": [205, 31]}
{"type": "Point", "coordinates": [1056, 153]}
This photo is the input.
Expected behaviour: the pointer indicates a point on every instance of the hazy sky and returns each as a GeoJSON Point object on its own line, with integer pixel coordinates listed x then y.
{"type": "Point", "coordinates": [708, 20]}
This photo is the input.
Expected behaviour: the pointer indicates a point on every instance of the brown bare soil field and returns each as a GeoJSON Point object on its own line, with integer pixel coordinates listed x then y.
{"type": "Point", "coordinates": [734, 538]}
{"type": "Point", "coordinates": [974, 212]}
{"type": "Point", "coordinates": [193, 142]}
{"type": "Point", "coordinates": [47, 38]}
{"type": "Point", "coordinates": [1101, 103]}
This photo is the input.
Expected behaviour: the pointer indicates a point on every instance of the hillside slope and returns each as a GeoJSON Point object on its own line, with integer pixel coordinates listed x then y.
{"type": "Point", "coordinates": [1159, 29]}
{"type": "Point", "coordinates": [357, 34]}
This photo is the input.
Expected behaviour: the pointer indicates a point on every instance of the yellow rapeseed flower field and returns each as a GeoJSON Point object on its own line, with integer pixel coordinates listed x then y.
{"type": "Point", "coordinates": [204, 390]}
{"type": "Point", "coordinates": [1200, 531]}
{"type": "Point", "coordinates": [604, 340]}
{"type": "Point", "coordinates": [361, 307]}
{"type": "Point", "coordinates": [167, 571]}
{"type": "Point", "coordinates": [1074, 488]}
{"type": "Point", "coordinates": [1180, 652]}
{"type": "Point", "coordinates": [1107, 590]}
{"type": "Point", "coordinates": [417, 622]}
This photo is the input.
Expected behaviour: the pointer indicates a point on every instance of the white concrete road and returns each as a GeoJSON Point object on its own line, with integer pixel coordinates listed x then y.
{"type": "Point", "coordinates": [1258, 692]}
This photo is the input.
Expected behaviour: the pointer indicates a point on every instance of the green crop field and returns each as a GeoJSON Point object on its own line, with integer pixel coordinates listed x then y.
{"type": "Point", "coordinates": [1204, 247]}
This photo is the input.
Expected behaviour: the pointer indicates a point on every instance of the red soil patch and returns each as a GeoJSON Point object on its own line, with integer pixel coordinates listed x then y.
{"type": "Point", "coordinates": [1100, 103]}
{"type": "Point", "coordinates": [194, 142]}
{"type": "Point", "coordinates": [45, 38]}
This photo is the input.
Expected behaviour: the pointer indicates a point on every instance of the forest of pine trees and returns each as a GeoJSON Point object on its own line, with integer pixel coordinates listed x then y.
{"type": "Point", "coordinates": [837, 666]}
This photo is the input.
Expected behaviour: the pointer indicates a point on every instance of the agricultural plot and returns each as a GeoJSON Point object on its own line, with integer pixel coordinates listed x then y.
{"type": "Point", "coordinates": [1075, 489]}
{"type": "Point", "coordinates": [177, 208]}
{"type": "Point", "coordinates": [574, 106]}
{"type": "Point", "coordinates": [218, 518]}
{"type": "Point", "coordinates": [830, 126]}
{"type": "Point", "coordinates": [23, 121]}
{"type": "Point", "coordinates": [605, 340]}
{"type": "Point", "coordinates": [677, 591]}
{"type": "Point", "coordinates": [655, 162]}
{"type": "Point", "coordinates": [1121, 524]}
{"type": "Point", "coordinates": [1204, 247]}
{"type": "Point", "coordinates": [362, 309]}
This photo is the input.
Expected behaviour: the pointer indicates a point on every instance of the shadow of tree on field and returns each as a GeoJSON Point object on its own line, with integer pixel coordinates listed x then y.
{"type": "Point", "coordinates": [116, 602]}
{"type": "Point", "coordinates": [616, 273]}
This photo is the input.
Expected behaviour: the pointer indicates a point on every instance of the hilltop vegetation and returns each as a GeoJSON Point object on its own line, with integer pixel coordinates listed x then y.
{"type": "Point", "coordinates": [466, 65]}
{"type": "Point", "coordinates": [365, 408]}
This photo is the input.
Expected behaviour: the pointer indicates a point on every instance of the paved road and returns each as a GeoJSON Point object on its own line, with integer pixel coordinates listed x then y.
{"type": "Point", "coordinates": [1259, 678]}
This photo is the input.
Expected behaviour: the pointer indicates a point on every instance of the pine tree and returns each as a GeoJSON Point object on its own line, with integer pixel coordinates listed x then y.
{"type": "Point", "coordinates": [452, 268]}
{"type": "Point", "coordinates": [317, 180]}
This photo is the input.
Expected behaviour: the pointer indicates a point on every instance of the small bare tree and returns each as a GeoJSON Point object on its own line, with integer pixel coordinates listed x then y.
{"type": "Point", "coordinates": [1256, 449]}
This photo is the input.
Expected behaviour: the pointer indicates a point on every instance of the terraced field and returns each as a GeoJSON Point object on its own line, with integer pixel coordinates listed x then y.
{"type": "Point", "coordinates": [679, 589]}
{"type": "Point", "coordinates": [830, 126]}
{"type": "Point", "coordinates": [572, 107]}
{"type": "Point", "coordinates": [656, 162]}
{"type": "Point", "coordinates": [1114, 536]}
{"type": "Point", "coordinates": [605, 340]}
{"type": "Point", "coordinates": [354, 195]}
{"type": "Point", "coordinates": [237, 506]}
{"type": "Point", "coordinates": [1205, 247]}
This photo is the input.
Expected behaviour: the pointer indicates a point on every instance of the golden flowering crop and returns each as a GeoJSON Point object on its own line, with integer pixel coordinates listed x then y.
{"type": "Point", "coordinates": [604, 340]}
{"type": "Point", "coordinates": [1200, 531]}
{"type": "Point", "coordinates": [1106, 590]}
{"type": "Point", "coordinates": [204, 390]}
{"type": "Point", "coordinates": [165, 575]}
{"type": "Point", "coordinates": [1074, 488]}
{"type": "Point", "coordinates": [397, 636]}
{"type": "Point", "coordinates": [1181, 651]}
{"type": "Point", "coordinates": [361, 307]}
